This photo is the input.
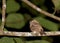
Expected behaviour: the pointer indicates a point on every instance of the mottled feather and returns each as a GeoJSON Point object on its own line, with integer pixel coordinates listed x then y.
{"type": "Point", "coordinates": [36, 27]}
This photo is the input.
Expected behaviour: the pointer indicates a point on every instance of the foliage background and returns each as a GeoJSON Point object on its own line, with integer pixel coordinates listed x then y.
{"type": "Point", "coordinates": [18, 15]}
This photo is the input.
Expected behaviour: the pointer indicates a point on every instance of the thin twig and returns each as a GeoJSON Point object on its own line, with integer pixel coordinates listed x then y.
{"type": "Point", "coordinates": [40, 10]}
{"type": "Point", "coordinates": [9, 33]}
{"type": "Point", "coordinates": [3, 13]}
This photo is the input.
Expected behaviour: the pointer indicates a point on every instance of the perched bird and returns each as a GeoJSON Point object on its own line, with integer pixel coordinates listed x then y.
{"type": "Point", "coordinates": [36, 27]}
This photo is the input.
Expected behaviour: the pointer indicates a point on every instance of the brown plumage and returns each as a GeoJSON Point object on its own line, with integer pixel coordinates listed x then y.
{"type": "Point", "coordinates": [36, 27]}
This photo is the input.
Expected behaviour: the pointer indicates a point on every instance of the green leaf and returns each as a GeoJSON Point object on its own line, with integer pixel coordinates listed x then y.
{"type": "Point", "coordinates": [59, 25]}
{"type": "Point", "coordinates": [15, 20]}
{"type": "Point", "coordinates": [31, 10]}
{"type": "Point", "coordinates": [47, 38]}
{"type": "Point", "coordinates": [29, 41]}
{"type": "Point", "coordinates": [47, 24]}
{"type": "Point", "coordinates": [38, 41]}
{"type": "Point", "coordinates": [27, 17]}
{"type": "Point", "coordinates": [57, 4]}
{"type": "Point", "coordinates": [36, 2]}
{"type": "Point", "coordinates": [41, 41]}
{"type": "Point", "coordinates": [18, 40]}
{"type": "Point", "coordinates": [12, 6]}
{"type": "Point", "coordinates": [6, 40]}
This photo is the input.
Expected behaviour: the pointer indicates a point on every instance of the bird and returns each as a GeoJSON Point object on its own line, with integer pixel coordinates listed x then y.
{"type": "Point", "coordinates": [35, 27]}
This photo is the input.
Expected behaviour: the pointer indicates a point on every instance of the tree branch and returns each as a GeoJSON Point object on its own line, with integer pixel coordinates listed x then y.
{"type": "Point", "coordinates": [9, 33]}
{"type": "Point", "coordinates": [40, 10]}
{"type": "Point", "coordinates": [3, 14]}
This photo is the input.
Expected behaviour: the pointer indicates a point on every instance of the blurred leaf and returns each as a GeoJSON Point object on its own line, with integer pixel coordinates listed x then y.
{"type": "Point", "coordinates": [38, 41]}
{"type": "Point", "coordinates": [15, 20]}
{"type": "Point", "coordinates": [0, 21]}
{"type": "Point", "coordinates": [0, 3]}
{"type": "Point", "coordinates": [0, 0]}
{"type": "Point", "coordinates": [0, 10]}
{"type": "Point", "coordinates": [41, 41]}
{"type": "Point", "coordinates": [44, 8]}
{"type": "Point", "coordinates": [6, 40]}
{"type": "Point", "coordinates": [47, 38]}
{"type": "Point", "coordinates": [59, 25]}
{"type": "Point", "coordinates": [36, 2]}
{"type": "Point", "coordinates": [18, 40]}
{"type": "Point", "coordinates": [31, 10]}
{"type": "Point", "coordinates": [12, 6]}
{"type": "Point", "coordinates": [47, 24]}
{"type": "Point", "coordinates": [40, 4]}
{"type": "Point", "coordinates": [57, 4]}
{"type": "Point", "coordinates": [27, 17]}
{"type": "Point", "coordinates": [29, 41]}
